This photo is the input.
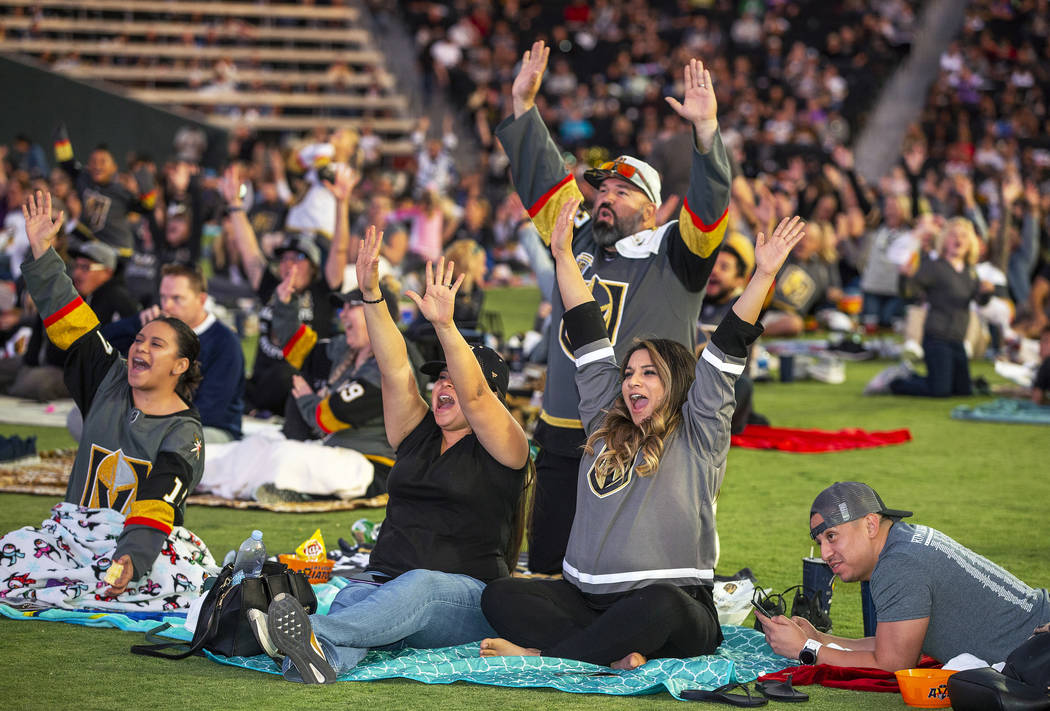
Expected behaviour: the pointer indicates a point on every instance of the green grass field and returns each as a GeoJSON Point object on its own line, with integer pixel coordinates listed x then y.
{"type": "Point", "coordinates": [984, 484]}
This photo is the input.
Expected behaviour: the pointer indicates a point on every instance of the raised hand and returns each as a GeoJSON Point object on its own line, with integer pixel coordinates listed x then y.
{"type": "Point", "coordinates": [368, 263]}
{"type": "Point", "coordinates": [530, 76]}
{"type": "Point", "coordinates": [285, 289]}
{"type": "Point", "coordinates": [439, 300]}
{"type": "Point", "coordinates": [698, 103]}
{"type": "Point", "coordinates": [766, 207]}
{"type": "Point", "coordinates": [843, 157]}
{"type": "Point", "coordinates": [346, 179]}
{"type": "Point", "coordinates": [1012, 188]}
{"type": "Point", "coordinates": [770, 252]}
{"type": "Point", "coordinates": [561, 236]}
{"type": "Point", "coordinates": [1031, 195]}
{"type": "Point", "coordinates": [230, 186]}
{"type": "Point", "coordinates": [276, 162]}
{"type": "Point", "coordinates": [39, 226]}
{"type": "Point", "coordinates": [915, 158]}
{"type": "Point", "coordinates": [833, 175]}
{"type": "Point", "coordinates": [964, 188]}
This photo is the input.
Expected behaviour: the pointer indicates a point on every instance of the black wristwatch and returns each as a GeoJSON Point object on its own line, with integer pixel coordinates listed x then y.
{"type": "Point", "coordinates": [808, 655]}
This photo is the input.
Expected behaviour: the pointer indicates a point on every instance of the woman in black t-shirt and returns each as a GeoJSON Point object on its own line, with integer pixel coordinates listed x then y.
{"type": "Point", "coordinates": [455, 514]}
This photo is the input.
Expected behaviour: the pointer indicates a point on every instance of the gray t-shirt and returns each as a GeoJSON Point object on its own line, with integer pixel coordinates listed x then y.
{"type": "Point", "coordinates": [973, 604]}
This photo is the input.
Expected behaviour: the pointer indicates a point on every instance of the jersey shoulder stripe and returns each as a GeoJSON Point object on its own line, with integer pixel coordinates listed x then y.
{"type": "Point", "coordinates": [70, 322]}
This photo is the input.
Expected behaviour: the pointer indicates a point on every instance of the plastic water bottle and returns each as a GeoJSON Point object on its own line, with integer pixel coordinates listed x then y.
{"type": "Point", "coordinates": [250, 558]}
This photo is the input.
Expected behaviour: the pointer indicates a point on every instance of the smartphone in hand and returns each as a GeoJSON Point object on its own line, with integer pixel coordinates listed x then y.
{"type": "Point", "coordinates": [759, 610]}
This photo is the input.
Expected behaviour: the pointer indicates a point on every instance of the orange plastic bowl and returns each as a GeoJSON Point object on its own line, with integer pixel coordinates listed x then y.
{"type": "Point", "coordinates": [925, 688]}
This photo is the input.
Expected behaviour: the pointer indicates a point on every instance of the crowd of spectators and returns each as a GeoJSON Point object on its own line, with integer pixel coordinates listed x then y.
{"type": "Point", "coordinates": [794, 87]}
{"type": "Point", "coordinates": [793, 84]}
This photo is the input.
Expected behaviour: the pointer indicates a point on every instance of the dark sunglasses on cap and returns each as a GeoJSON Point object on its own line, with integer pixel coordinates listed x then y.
{"type": "Point", "coordinates": [626, 170]}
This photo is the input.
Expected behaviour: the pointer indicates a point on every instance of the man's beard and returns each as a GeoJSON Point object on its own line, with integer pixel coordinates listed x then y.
{"type": "Point", "coordinates": [606, 234]}
{"type": "Point", "coordinates": [723, 294]}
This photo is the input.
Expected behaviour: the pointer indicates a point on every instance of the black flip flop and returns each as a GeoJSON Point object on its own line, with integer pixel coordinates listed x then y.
{"type": "Point", "coordinates": [722, 695]}
{"type": "Point", "coordinates": [780, 690]}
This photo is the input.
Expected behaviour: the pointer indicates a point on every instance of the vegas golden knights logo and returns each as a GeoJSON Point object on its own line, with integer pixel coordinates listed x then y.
{"type": "Point", "coordinates": [611, 297]}
{"type": "Point", "coordinates": [113, 479]}
{"type": "Point", "coordinates": [96, 209]}
{"type": "Point", "coordinates": [795, 286]}
{"type": "Point", "coordinates": [611, 484]}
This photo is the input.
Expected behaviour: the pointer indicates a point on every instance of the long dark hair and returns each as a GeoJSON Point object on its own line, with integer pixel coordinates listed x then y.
{"type": "Point", "coordinates": [522, 516]}
{"type": "Point", "coordinates": [188, 346]}
{"type": "Point", "coordinates": [622, 438]}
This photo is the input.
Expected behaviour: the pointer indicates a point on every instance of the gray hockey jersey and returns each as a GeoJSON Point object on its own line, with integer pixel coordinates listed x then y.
{"type": "Point", "coordinates": [652, 285]}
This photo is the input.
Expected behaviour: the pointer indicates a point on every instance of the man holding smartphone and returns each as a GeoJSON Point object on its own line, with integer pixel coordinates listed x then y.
{"type": "Point", "coordinates": [931, 594]}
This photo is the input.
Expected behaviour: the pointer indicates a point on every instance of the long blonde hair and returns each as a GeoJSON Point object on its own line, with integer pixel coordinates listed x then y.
{"type": "Point", "coordinates": [622, 439]}
{"type": "Point", "coordinates": [462, 253]}
{"type": "Point", "coordinates": [967, 231]}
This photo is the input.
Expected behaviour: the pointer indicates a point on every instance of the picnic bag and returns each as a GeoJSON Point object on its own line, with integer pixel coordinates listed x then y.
{"type": "Point", "coordinates": [222, 626]}
{"type": "Point", "coordinates": [1022, 685]}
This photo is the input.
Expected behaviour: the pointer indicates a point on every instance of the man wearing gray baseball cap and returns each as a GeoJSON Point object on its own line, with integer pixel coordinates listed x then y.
{"type": "Point", "coordinates": [931, 594]}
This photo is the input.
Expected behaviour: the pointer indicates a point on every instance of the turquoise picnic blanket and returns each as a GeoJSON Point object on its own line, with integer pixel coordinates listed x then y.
{"type": "Point", "coordinates": [1005, 410]}
{"type": "Point", "coordinates": [743, 657]}
{"type": "Point", "coordinates": [129, 622]}
{"type": "Point", "coordinates": [132, 621]}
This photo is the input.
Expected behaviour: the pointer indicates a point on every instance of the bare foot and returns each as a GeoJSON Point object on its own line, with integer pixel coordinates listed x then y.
{"type": "Point", "coordinates": [499, 647]}
{"type": "Point", "coordinates": [631, 661]}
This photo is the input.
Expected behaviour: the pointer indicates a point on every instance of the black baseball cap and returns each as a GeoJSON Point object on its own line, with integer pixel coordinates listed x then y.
{"type": "Point", "coordinates": [356, 297]}
{"type": "Point", "coordinates": [492, 366]}
{"type": "Point", "coordinates": [302, 243]}
{"type": "Point", "coordinates": [846, 501]}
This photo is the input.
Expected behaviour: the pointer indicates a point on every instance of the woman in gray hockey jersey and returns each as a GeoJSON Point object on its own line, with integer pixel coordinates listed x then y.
{"type": "Point", "coordinates": [640, 562]}
{"type": "Point", "coordinates": [117, 540]}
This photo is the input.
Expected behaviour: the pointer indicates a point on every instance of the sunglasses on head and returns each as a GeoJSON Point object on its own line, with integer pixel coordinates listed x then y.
{"type": "Point", "coordinates": [625, 169]}
{"type": "Point", "coordinates": [291, 256]}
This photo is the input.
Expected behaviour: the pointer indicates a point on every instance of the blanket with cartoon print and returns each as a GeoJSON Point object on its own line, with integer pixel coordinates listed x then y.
{"type": "Point", "coordinates": [63, 563]}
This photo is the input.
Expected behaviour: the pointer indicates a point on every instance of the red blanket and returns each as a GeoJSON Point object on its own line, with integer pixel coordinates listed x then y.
{"type": "Point", "coordinates": [845, 677]}
{"type": "Point", "coordinates": [790, 440]}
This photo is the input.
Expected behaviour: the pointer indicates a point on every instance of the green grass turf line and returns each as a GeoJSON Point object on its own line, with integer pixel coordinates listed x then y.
{"type": "Point", "coordinates": [985, 484]}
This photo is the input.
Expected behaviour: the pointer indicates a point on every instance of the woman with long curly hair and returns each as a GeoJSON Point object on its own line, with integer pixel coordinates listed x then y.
{"type": "Point", "coordinates": [639, 568]}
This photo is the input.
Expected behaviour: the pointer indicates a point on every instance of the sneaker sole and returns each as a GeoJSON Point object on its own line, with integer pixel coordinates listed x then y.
{"type": "Point", "coordinates": [290, 629]}
{"type": "Point", "coordinates": [257, 620]}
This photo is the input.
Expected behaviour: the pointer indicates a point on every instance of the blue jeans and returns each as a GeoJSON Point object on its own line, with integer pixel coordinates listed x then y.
{"type": "Point", "coordinates": [421, 609]}
{"type": "Point", "coordinates": [947, 371]}
{"type": "Point", "coordinates": [881, 309]}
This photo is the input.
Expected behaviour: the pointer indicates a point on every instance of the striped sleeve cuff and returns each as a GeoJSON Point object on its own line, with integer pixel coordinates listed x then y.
{"type": "Point", "coordinates": [152, 513]}
{"type": "Point", "coordinates": [734, 336]}
{"type": "Point", "coordinates": [299, 346]}
{"type": "Point", "coordinates": [597, 350]}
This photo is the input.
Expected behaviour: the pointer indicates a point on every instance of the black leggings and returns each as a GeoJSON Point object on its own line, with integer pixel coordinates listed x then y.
{"type": "Point", "coordinates": [553, 616]}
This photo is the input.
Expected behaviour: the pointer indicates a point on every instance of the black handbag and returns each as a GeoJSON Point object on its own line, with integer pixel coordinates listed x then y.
{"type": "Point", "coordinates": [222, 625]}
{"type": "Point", "coordinates": [985, 689]}
{"type": "Point", "coordinates": [1022, 685]}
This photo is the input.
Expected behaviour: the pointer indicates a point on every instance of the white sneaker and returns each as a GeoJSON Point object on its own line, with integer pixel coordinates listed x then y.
{"type": "Point", "coordinates": [258, 622]}
{"type": "Point", "coordinates": [912, 349]}
{"type": "Point", "coordinates": [880, 384]}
